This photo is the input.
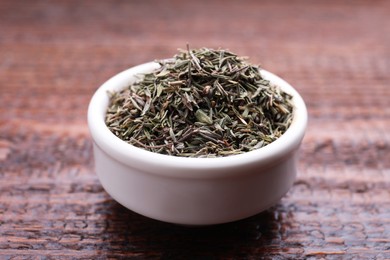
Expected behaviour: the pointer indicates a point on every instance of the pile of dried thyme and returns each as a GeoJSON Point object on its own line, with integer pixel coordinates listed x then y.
{"type": "Point", "coordinates": [201, 103]}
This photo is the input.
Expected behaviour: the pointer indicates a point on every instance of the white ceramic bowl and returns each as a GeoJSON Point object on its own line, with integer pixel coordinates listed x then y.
{"type": "Point", "coordinates": [193, 191]}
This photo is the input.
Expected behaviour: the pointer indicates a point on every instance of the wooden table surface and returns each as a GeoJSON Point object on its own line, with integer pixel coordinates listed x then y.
{"type": "Point", "coordinates": [55, 54]}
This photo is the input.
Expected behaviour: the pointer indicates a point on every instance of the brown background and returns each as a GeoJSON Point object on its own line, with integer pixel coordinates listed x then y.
{"type": "Point", "coordinates": [55, 54]}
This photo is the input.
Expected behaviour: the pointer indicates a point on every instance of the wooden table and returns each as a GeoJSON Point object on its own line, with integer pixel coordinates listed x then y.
{"type": "Point", "coordinates": [55, 54]}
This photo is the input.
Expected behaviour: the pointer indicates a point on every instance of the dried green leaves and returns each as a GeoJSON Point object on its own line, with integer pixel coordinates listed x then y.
{"type": "Point", "coordinates": [202, 103]}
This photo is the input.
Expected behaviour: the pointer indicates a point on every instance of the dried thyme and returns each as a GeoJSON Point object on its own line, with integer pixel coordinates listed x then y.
{"type": "Point", "coordinates": [202, 103]}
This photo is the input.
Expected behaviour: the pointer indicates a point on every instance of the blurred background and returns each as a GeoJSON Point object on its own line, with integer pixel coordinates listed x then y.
{"type": "Point", "coordinates": [328, 50]}
{"type": "Point", "coordinates": [55, 54]}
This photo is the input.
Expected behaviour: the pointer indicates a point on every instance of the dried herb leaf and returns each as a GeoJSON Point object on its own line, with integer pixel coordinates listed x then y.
{"type": "Point", "coordinates": [201, 103]}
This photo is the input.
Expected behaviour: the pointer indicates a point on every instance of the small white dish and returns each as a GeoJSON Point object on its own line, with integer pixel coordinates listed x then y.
{"type": "Point", "coordinates": [193, 191]}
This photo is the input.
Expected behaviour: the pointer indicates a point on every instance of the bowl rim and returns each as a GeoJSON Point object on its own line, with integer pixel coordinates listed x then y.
{"type": "Point", "coordinates": [184, 167]}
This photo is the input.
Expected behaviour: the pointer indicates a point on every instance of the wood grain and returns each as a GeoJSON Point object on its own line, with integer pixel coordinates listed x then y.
{"type": "Point", "coordinates": [54, 55]}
